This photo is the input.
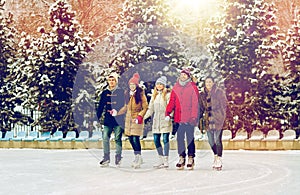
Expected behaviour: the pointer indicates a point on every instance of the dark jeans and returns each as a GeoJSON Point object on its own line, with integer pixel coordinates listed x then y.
{"type": "Point", "coordinates": [135, 143]}
{"type": "Point", "coordinates": [188, 131]}
{"type": "Point", "coordinates": [118, 139]}
{"type": "Point", "coordinates": [160, 150]}
{"type": "Point", "coordinates": [215, 141]}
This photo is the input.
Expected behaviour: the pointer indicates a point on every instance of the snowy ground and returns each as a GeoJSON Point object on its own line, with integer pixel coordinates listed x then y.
{"type": "Point", "coordinates": [32, 171]}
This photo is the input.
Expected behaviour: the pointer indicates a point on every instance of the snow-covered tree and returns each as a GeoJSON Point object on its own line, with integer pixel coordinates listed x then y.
{"type": "Point", "coordinates": [10, 92]}
{"type": "Point", "coordinates": [143, 23]}
{"type": "Point", "coordinates": [292, 61]}
{"type": "Point", "coordinates": [62, 50]}
{"type": "Point", "coordinates": [144, 34]}
{"type": "Point", "coordinates": [243, 42]}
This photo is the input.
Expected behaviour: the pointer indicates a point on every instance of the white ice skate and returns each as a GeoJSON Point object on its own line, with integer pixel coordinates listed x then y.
{"type": "Point", "coordinates": [137, 161]}
{"type": "Point", "coordinates": [214, 162]}
{"type": "Point", "coordinates": [219, 165]}
{"type": "Point", "coordinates": [159, 163]}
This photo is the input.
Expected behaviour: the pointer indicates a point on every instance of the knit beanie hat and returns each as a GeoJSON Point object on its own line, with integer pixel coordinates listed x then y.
{"type": "Point", "coordinates": [162, 80]}
{"type": "Point", "coordinates": [134, 79]}
{"type": "Point", "coordinates": [114, 75]}
{"type": "Point", "coordinates": [186, 71]}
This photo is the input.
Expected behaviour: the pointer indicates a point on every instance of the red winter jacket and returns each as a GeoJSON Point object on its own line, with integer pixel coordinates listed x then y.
{"type": "Point", "coordinates": [184, 102]}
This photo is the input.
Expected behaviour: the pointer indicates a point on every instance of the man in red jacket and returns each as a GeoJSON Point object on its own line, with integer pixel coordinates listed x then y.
{"type": "Point", "coordinates": [184, 103]}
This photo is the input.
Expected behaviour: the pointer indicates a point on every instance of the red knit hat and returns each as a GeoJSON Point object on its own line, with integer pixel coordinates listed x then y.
{"type": "Point", "coordinates": [134, 79]}
{"type": "Point", "coordinates": [186, 71]}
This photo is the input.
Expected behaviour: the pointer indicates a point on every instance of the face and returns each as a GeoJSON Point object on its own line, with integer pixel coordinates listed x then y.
{"type": "Point", "coordinates": [112, 82]}
{"type": "Point", "coordinates": [209, 84]}
{"type": "Point", "coordinates": [183, 76]}
{"type": "Point", "coordinates": [159, 86]}
{"type": "Point", "coordinates": [132, 86]}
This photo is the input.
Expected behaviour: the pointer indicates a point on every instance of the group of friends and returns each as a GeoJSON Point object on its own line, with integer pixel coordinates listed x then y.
{"type": "Point", "coordinates": [179, 110]}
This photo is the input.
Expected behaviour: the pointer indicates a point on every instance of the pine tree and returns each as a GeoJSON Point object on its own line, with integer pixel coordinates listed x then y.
{"type": "Point", "coordinates": [242, 45]}
{"type": "Point", "coordinates": [10, 92]}
{"type": "Point", "coordinates": [62, 50]}
{"type": "Point", "coordinates": [142, 23]}
{"type": "Point", "coordinates": [291, 55]}
{"type": "Point", "coordinates": [144, 34]}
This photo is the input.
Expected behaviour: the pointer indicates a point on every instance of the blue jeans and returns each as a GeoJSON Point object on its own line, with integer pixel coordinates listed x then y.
{"type": "Point", "coordinates": [135, 143]}
{"type": "Point", "coordinates": [156, 137]}
{"type": "Point", "coordinates": [118, 139]}
{"type": "Point", "coordinates": [215, 141]}
{"type": "Point", "coordinates": [188, 130]}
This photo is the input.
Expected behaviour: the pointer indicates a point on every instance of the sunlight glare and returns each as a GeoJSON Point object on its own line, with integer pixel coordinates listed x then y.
{"type": "Point", "coordinates": [193, 6]}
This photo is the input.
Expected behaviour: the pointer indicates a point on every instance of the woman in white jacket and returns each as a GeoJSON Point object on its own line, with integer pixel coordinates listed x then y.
{"type": "Point", "coordinates": [157, 108]}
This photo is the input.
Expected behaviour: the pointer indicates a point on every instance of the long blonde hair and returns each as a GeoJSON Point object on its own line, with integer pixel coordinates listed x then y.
{"type": "Point", "coordinates": [164, 93]}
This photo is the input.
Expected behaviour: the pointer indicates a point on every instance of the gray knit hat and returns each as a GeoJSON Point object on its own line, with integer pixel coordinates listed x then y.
{"type": "Point", "coordinates": [162, 80]}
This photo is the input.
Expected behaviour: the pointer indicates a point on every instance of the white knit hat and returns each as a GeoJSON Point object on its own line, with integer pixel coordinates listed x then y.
{"type": "Point", "coordinates": [114, 75]}
{"type": "Point", "coordinates": [162, 80]}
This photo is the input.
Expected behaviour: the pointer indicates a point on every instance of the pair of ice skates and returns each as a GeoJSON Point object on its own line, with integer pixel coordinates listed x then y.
{"type": "Point", "coordinates": [190, 164]}
{"type": "Point", "coordinates": [106, 160]}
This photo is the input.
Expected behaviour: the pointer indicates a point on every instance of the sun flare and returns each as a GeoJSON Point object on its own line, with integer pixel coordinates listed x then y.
{"type": "Point", "coordinates": [195, 7]}
{"type": "Point", "coordinates": [193, 15]}
{"type": "Point", "coordinates": [192, 3]}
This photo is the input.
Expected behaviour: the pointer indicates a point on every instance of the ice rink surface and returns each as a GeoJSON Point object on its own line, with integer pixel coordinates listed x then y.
{"type": "Point", "coordinates": [34, 171]}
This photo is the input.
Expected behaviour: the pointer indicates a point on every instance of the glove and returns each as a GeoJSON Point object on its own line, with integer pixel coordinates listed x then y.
{"type": "Point", "coordinates": [139, 119]}
{"type": "Point", "coordinates": [167, 118]}
{"type": "Point", "coordinates": [113, 112]}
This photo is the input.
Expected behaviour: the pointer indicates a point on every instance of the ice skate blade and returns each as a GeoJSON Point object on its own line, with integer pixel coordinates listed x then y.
{"type": "Point", "coordinates": [190, 168]}
{"type": "Point", "coordinates": [158, 166]}
{"type": "Point", "coordinates": [218, 168]}
{"type": "Point", "coordinates": [180, 168]}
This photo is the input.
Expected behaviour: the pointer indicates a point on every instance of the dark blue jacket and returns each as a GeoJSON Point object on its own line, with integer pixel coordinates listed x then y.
{"type": "Point", "coordinates": [111, 100]}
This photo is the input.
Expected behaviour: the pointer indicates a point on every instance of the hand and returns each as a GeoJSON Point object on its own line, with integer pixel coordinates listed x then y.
{"type": "Point", "coordinates": [139, 119]}
{"type": "Point", "coordinates": [113, 112]}
{"type": "Point", "coordinates": [167, 118]}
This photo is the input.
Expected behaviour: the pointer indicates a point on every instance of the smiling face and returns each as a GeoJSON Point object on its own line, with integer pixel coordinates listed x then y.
{"type": "Point", "coordinates": [183, 76]}
{"type": "Point", "coordinates": [159, 86]}
{"type": "Point", "coordinates": [209, 83]}
{"type": "Point", "coordinates": [111, 82]}
{"type": "Point", "coordinates": [132, 86]}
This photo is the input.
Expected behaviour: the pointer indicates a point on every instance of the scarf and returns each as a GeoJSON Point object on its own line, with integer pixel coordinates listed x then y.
{"type": "Point", "coordinates": [132, 92]}
{"type": "Point", "coordinates": [183, 83]}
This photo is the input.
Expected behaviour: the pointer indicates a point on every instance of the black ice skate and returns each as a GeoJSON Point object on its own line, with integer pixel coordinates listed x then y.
{"type": "Point", "coordinates": [180, 165]}
{"type": "Point", "coordinates": [191, 163]}
{"type": "Point", "coordinates": [118, 159]}
{"type": "Point", "coordinates": [105, 161]}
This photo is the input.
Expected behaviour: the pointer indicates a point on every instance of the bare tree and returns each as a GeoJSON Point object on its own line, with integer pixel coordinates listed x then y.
{"type": "Point", "coordinates": [95, 15]}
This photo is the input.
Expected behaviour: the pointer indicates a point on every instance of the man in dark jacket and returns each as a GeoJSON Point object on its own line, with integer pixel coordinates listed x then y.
{"type": "Point", "coordinates": [184, 102]}
{"type": "Point", "coordinates": [111, 101]}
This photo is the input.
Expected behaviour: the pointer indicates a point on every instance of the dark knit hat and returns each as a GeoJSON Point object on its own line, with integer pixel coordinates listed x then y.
{"type": "Point", "coordinates": [134, 79]}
